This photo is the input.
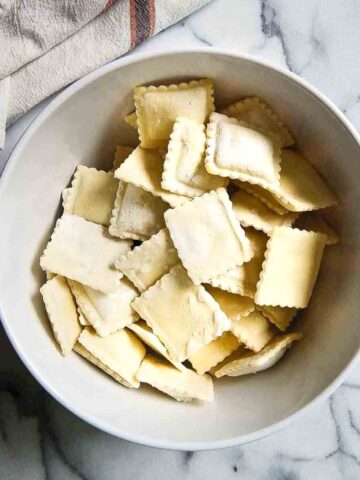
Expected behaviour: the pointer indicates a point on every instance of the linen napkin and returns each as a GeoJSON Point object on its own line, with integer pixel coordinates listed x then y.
{"type": "Point", "coordinates": [45, 45]}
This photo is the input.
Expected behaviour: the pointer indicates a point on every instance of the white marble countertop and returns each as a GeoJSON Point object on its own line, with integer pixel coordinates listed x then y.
{"type": "Point", "coordinates": [39, 439]}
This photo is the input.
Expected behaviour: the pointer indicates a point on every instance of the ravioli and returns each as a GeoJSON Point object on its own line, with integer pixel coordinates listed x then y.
{"type": "Point", "coordinates": [148, 262]}
{"type": "Point", "coordinates": [193, 100]}
{"type": "Point", "coordinates": [85, 252]}
{"type": "Point", "coordinates": [290, 268]}
{"type": "Point", "coordinates": [62, 312]}
{"type": "Point", "coordinates": [248, 362]}
{"type": "Point", "coordinates": [137, 214]}
{"type": "Point", "coordinates": [91, 195]}
{"type": "Point", "coordinates": [184, 316]}
{"type": "Point", "coordinates": [183, 385]}
{"type": "Point", "coordinates": [208, 236]}
{"type": "Point", "coordinates": [184, 170]}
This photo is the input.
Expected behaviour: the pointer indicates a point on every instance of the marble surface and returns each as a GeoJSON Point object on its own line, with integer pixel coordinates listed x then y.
{"type": "Point", "coordinates": [39, 439]}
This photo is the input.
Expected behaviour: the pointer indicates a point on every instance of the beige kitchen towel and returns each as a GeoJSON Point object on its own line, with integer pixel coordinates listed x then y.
{"type": "Point", "coordinates": [45, 45]}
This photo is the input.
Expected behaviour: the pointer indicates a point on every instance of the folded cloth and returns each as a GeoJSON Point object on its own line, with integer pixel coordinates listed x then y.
{"type": "Point", "coordinates": [49, 44]}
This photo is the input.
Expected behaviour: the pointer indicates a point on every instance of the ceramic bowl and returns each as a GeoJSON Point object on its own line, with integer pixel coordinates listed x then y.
{"type": "Point", "coordinates": [83, 125]}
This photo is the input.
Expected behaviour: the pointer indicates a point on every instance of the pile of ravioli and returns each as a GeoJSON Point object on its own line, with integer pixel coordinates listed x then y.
{"type": "Point", "coordinates": [188, 260]}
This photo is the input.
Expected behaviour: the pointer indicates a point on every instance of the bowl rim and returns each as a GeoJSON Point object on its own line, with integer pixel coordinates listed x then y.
{"type": "Point", "coordinates": [146, 440]}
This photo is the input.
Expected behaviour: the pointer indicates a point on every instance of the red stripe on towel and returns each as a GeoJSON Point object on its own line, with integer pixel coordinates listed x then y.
{"type": "Point", "coordinates": [132, 24]}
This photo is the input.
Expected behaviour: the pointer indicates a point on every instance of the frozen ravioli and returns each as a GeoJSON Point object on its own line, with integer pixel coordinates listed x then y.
{"type": "Point", "coordinates": [210, 355]}
{"type": "Point", "coordinates": [246, 362]}
{"type": "Point", "coordinates": [106, 312]}
{"type": "Point", "coordinates": [208, 236]}
{"type": "Point", "coordinates": [119, 355]}
{"type": "Point", "coordinates": [137, 214]}
{"type": "Point", "coordinates": [183, 385]}
{"type": "Point", "coordinates": [148, 262]}
{"type": "Point", "coordinates": [281, 317]}
{"type": "Point", "coordinates": [300, 188]}
{"type": "Point", "coordinates": [62, 312]}
{"type": "Point", "coordinates": [257, 112]}
{"type": "Point", "coordinates": [240, 151]}
{"type": "Point", "coordinates": [254, 331]}
{"type": "Point", "coordinates": [193, 100]}
{"type": "Point", "coordinates": [91, 195]}
{"type": "Point", "coordinates": [85, 252]}
{"type": "Point", "coordinates": [290, 268]}
{"type": "Point", "coordinates": [184, 316]}
{"type": "Point", "coordinates": [252, 212]}
{"type": "Point", "coordinates": [233, 305]}
{"type": "Point", "coordinates": [184, 169]}
{"type": "Point", "coordinates": [146, 335]}
{"type": "Point", "coordinates": [243, 279]}
{"type": "Point", "coordinates": [143, 169]}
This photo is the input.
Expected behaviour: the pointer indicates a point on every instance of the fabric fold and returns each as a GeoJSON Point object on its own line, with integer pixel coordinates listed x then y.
{"type": "Point", "coordinates": [119, 27]}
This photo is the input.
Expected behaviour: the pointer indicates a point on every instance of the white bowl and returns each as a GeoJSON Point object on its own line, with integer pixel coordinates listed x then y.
{"type": "Point", "coordinates": [83, 125]}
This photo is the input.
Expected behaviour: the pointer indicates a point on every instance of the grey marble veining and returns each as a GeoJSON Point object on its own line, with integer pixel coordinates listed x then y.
{"type": "Point", "coordinates": [319, 40]}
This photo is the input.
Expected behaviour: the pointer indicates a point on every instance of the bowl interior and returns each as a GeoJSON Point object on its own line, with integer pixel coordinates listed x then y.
{"type": "Point", "coordinates": [84, 126]}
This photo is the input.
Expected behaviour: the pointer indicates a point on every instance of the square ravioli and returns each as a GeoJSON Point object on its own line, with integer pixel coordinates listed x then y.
{"type": "Point", "coordinates": [119, 355]}
{"type": "Point", "coordinates": [245, 362]}
{"type": "Point", "coordinates": [85, 252]}
{"type": "Point", "coordinates": [257, 112]}
{"type": "Point", "coordinates": [158, 107]}
{"type": "Point", "coordinates": [183, 385]}
{"type": "Point", "coordinates": [252, 212]}
{"type": "Point", "coordinates": [290, 268]}
{"type": "Point", "coordinates": [242, 280]}
{"type": "Point", "coordinates": [254, 331]}
{"type": "Point", "coordinates": [143, 168]}
{"type": "Point", "coordinates": [62, 312]}
{"type": "Point", "coordinates": [148, 262]}
{"type": "Point", "coordinates": [146, 335]}
{"type": "Point", "coordinates": [121, 154]}
{"type": "Point", "coordinates": [91, 195]}
{"type": "Point", "coordinates": [208, 236]}
{"type": "Point", "coordinates": [213, 353]}
{"type": "Point", "coordinates": [263, 195]}
{"type": "Point", "coordinates": [137, 214]}
{"type": "Point", "coordinates": [300, 188]}
{"type": "Point", "coordinates": [234, 306]}
{"type": "Point", "coordinates": [281, 317]}
{"type": "Point", "coordinates": [106, 312]}
{"type": "Point", "coordinates": [237, 150]}
{"type": "Point", "coordinates": [196, 320]}
{"type": "Point", "coordinates": [184, 170]}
